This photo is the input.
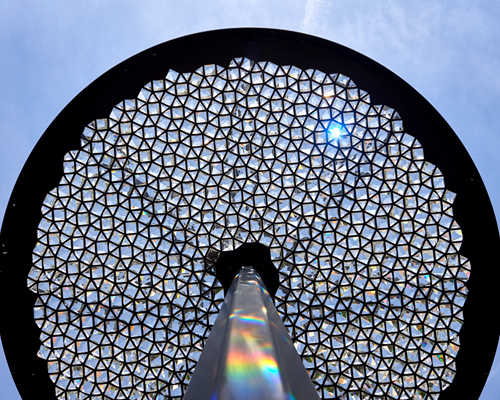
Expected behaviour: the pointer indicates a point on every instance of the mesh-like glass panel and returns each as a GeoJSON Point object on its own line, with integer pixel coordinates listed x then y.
{"type": "Point", "coordinates": [360, 227]}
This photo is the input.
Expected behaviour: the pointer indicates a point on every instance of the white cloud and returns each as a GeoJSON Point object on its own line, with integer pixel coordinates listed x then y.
{"type": "Point", "coordinates": [315, 16]}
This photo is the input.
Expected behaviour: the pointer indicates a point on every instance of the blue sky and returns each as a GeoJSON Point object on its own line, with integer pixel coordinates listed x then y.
{"type": "Point", "coordinates": [448, 51]}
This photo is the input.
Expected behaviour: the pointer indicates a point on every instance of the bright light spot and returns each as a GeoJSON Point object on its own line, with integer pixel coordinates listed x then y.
{"type": "Point", "coordinates": [334, 132]}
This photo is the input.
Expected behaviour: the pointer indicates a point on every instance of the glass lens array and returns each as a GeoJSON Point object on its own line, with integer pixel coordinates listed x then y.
{"type": "Point", "coordinates": [360, 227]}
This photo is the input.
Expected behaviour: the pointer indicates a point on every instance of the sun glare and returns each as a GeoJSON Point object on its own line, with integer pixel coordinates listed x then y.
{"type": "Point", "coordinates": [334, 132]}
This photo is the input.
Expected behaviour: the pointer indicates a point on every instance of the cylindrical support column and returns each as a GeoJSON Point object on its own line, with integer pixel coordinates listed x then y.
{"type": "Point", "coordinates": [249, 354]}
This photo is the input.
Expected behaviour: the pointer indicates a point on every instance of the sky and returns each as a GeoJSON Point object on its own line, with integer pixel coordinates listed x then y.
{"type": "Point", "coordinates": [448, 51]}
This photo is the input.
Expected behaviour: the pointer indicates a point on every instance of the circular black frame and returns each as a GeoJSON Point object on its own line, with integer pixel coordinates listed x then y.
{"type": "Point", "coordinates": [44, 169]}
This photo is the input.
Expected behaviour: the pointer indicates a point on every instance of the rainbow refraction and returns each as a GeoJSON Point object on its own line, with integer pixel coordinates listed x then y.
{"type": "Point", "coordinates": [251, 365]}
{"type": "Point", "coordinates": [249, 355]}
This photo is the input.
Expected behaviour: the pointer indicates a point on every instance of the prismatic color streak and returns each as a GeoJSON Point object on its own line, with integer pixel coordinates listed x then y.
{"type": "Point", "coordinates": [250, 355]}
{"type": "Point", "coordinates": [251, 365]}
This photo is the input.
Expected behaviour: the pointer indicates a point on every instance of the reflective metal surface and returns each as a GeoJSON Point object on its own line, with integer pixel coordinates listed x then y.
{"type": "Point", "coordinates": [249, 353]}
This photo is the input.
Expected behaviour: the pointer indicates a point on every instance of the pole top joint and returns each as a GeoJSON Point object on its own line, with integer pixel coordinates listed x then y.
{"type": "Point", "coordinates": [256, 255]}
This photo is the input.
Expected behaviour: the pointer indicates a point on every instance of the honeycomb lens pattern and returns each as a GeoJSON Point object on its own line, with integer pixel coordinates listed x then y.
{"type": "Point", "coordinates": [360, 227]}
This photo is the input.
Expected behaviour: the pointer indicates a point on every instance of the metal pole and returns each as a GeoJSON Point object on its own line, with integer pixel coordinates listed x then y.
{"type": "Point", "coordinates": [249, 354]}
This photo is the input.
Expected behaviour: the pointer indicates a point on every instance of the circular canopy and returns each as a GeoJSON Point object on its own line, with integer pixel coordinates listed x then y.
{"type": "Point", "coordinates": [374, 213]}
